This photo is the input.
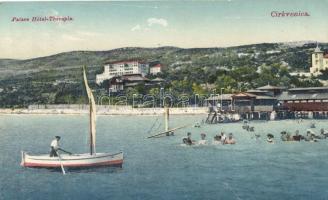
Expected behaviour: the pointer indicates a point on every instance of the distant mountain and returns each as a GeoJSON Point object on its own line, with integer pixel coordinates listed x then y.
{"type": "Point", "coordinates": [57, 78]}
{"type": "Point", "coordinates": [298, 43]}
{"type": "Point", "coordinates": [294, 54]}
{"type": "Point", "coordinates": [76, 59]}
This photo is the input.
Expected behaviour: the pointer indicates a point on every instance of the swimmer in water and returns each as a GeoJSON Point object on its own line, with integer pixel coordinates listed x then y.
{"type": "Point", "coordinates": [270, 138]}
{"type": "Point", "coordinates": [230, 140]}
{"type": "Point", "coordinates": [203, 141]}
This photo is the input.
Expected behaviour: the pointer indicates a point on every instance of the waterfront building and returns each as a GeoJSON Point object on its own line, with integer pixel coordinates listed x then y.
{"type": "Point", "coordinates": [319, 61]}
{"type": "Point", "coordinates": [271, 102]}
{"type": "Point", "coordinates": [215, 101]}
{"type": "Point", "coordinates": [314, 99]}
{"type": "Point", "coordinates": [120, 68]}
{"type": "Point", "coordinates": [254, 104]}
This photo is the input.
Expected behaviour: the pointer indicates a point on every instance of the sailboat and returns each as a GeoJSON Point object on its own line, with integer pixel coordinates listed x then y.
{"type": "Point", "coordinates": [167, 131]}
{"type": "Point", "coordinates": [85, 160]}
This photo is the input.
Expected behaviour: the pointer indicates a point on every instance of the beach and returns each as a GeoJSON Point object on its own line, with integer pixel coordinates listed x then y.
{"type": "Point", "coordinates": [103, 110]}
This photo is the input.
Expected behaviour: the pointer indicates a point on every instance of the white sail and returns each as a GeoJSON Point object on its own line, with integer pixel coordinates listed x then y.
{"type": "Point", "coordinates": [92, 114]}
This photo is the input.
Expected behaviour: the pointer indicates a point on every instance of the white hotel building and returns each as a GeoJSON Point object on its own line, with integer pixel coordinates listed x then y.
{"type": "Point", "coordinates": [122, 68]}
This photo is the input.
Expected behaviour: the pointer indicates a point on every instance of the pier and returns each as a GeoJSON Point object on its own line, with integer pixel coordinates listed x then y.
{"type": "Point", "coordinates": [269, 103]}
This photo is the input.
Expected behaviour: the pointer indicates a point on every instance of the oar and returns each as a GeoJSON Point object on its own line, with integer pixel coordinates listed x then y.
{"type": "Point", "coordinates": [61, 163]}
{"type": "Point", "coordinates": [65, 151]}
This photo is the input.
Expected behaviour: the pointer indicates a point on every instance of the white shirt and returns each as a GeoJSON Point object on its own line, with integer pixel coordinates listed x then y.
{"type": "Point", "coordinates": [202, 142]}
{"type": "Point", "coordinates": [216, 142]}
{"type": "Point", "coordinates": [223, 137]}
{"type": "Point", "coordinates": [54, 144]}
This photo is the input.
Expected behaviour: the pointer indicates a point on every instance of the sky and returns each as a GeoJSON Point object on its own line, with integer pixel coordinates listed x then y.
{"type": "Point", "coordinates": [187, 24]}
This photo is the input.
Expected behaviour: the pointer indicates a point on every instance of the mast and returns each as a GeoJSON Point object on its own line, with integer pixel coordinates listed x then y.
{"type": "Point", "coordinates": [166, 116]}
{"type": "Point", "coordinates": [92, 115]}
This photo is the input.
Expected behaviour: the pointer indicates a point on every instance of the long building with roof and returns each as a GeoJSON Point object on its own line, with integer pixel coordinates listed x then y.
{"type": "Point", "coordinates": [275, 102]}
{"type": "Point", "coordinates": [305, 99]}
{"type": "Point", "coordinates": [120, 68]}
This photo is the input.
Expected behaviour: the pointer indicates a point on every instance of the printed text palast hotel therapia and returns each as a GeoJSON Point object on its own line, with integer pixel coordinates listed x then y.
{"type": "Point", "coordinates": [43, 19]}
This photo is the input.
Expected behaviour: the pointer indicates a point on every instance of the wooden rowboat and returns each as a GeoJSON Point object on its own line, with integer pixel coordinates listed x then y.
{"type": "Point", "coordinates": [73, 161]}
{"type": "Point", "coordinates": [84, 160]}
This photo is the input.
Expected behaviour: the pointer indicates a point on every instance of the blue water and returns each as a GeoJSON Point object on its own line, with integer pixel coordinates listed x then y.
{"type": "Point", "coordinates": [162, 168]}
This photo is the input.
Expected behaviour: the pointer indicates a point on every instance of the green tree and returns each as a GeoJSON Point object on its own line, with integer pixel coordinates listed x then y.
{"type": "Point", "coordinates": [197, 89]}
{"type": "Point", "coordinates": [154, 92]}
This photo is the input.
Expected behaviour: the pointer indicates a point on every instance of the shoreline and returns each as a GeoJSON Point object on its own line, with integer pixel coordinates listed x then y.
{"type": "Point", "coordinates": [109, 111]}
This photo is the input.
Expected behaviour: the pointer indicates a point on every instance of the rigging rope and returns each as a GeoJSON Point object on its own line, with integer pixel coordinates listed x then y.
{"type": "Point", "coordinates": [153, 126]}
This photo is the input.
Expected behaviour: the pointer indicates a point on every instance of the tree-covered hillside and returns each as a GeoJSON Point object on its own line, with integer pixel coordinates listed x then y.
{"type": "Point", "coordinates": [58, 79]}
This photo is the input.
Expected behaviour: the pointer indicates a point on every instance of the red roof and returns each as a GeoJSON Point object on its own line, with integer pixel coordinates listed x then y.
{"type": "Point", "coordinates": [325, 56]}
{"type": "Point", "coordinates": [158, 65]}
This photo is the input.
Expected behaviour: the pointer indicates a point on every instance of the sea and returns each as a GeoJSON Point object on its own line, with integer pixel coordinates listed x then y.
{"type": "Point", "coordinates": [163, 168]}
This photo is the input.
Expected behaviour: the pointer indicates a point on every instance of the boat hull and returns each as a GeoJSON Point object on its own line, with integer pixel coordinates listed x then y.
{"type": "Point", "coordinates": [73, 161]}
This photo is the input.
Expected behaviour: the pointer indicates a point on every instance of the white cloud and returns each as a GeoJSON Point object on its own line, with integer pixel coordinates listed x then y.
{"type": "Point", "coordinates": [136, 28]}
{"type": "Point", "coordinates": [150, 22]}
{"type": "Point", "coordinates": [54, 12]}
{"type": "Point", "coordinates": [50, 12]}
{"type": "Point", "coordinates": [158, 21]}
{"type": "Point", "coordinates": [88, 33]}
{"type": "Point", "coordinates": [71, 38]}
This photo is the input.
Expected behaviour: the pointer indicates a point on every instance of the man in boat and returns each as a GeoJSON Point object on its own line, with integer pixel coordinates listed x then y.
{"type": "Point", "coordinates": [55, 147]}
